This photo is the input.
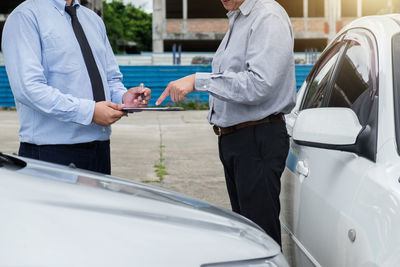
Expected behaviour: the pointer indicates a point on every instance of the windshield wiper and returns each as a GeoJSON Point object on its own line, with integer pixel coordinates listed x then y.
{"type": "Point", "coordinates": [11, 163]}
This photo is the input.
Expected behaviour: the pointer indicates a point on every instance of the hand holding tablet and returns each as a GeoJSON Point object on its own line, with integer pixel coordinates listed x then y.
{"type": "Point", "coordinates": [143, 104]}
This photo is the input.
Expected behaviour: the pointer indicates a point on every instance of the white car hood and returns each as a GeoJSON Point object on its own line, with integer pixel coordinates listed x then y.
{"type": "Point", "coordinates": [96, 220]}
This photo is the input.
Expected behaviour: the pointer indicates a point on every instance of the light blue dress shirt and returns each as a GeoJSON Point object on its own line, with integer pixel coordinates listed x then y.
{"type": "Point", "coordinates": [48, 75]}
{"type": "Point", "coordinates": [253, 69]}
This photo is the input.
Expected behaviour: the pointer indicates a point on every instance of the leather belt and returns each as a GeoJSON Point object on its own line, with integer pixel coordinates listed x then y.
{"type": "Point", "coordinates": [226, 130]}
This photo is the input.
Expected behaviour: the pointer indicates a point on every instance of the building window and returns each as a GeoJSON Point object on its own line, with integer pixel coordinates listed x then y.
{"type": "Point", "coordinates": [316, 8]}
{"type": "Point", "coordinates": [205, 9]}
{"type": "Point", "coordinates": [174, 9]}
{"type": "Point", "coordinates": [349, 8]}
{"type": "Point", "coordinates": [301, 45]}
{"type": "Point", "coordinates": [193, 45]}
{"type": "Point", "coordinates": [294, 8]}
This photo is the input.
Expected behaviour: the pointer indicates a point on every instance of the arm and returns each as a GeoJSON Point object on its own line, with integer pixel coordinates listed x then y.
{"type": "Point", "coordinates": [269, 56]}
{"type": "Point", "coordinates": [22, 55]}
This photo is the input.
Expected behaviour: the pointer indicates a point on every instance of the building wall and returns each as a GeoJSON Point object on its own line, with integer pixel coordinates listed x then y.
{"type": "Point", "coordinates": [314, 22]}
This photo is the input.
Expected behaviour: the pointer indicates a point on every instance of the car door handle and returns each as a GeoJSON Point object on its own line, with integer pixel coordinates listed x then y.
{"type": "Point", "coordinates": [302, 168]}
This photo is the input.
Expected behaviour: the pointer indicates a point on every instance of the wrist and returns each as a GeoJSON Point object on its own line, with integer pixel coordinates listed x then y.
{"type": "Point", "coordinates": [123, 98]}
{"type": "Point", "coordinates": [194, 82]}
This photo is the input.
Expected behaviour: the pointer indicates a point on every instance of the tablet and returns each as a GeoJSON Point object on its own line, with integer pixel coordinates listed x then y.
{"type": "Point", "coordinates": [154, 109]}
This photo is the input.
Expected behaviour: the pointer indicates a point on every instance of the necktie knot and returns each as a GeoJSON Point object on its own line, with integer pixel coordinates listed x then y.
{"type": "Point", "coordinates": [71, 10]}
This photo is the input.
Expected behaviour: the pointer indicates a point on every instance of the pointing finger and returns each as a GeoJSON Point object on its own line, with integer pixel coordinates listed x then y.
{"type": "Point", "coordinates": [163, 96]}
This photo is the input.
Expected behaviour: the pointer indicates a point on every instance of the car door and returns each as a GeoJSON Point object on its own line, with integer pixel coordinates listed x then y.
{"type": "Point", "coordinates": [320, 184]}
{"type": "Point", "coordinates": [292, 180]}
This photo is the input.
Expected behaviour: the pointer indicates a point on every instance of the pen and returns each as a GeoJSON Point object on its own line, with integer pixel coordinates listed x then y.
{"type": "Point", "coordinates": [143, 96]}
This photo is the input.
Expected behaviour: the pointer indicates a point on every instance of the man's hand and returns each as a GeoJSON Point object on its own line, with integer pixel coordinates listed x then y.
{"type": "Point", "coordinates": [133, 97]}
{"type": "Point", "coordinates": [106, 113]}
{"type": "Point", "coordinates": [178, 89]}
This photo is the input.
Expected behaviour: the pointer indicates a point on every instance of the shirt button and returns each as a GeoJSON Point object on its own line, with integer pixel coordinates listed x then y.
{"type": "Point", "coordinates": [104, 130]}
{"type": "Point", "coordinates": [205, 86]}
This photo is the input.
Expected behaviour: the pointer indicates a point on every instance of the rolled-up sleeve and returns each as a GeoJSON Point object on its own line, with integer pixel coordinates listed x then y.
{"type": "Point", "coordinates": [266, 64]}
{"type": "Point", "coordinates": [21, 47]}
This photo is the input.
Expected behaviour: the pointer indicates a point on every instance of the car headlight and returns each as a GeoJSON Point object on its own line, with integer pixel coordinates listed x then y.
{"type": "Point", "coordinates": [277, 261]}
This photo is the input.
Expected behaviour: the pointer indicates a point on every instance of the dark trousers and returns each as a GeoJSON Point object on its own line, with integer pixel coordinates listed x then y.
{"type": "Point", "coordinates": [93, 156]}
{"type": "Point", "coordinates": [254, 158]}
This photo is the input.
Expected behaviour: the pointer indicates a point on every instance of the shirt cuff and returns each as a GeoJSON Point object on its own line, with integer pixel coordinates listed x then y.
{"type": "Point", "coordinates": [202, 81]}
{"type": "Point", "coordinates": [117, 96]}
{"type": "Point", "coordinates": [85, 111]}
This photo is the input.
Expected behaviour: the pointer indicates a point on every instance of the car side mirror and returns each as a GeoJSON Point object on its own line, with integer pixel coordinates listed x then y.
{"type": "Point", "coordinates": [333, 126]}
{"type": "Point", "coordinates": [330, 128]}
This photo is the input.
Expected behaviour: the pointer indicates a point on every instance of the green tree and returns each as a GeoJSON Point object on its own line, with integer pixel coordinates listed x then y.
{"type": "Point", "coordinates": [127, 23]}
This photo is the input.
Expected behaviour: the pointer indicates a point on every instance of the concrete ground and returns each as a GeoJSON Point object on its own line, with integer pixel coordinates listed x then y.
{"type": "Point", "coordinates": [183, 141]}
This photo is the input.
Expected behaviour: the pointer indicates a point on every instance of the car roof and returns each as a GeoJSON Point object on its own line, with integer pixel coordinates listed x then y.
{"type": "Point", "coordinates": [379, 25]}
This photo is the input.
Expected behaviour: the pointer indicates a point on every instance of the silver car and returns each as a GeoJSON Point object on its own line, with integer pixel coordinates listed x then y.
{"type": "Point", "coordinates": [53, 215]}
{"type": "Point", "coordinates": [341, 188]}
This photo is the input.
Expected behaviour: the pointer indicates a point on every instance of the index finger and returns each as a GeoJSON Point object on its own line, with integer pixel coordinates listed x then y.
{"type": "Point", "coordinates": [163, 96]}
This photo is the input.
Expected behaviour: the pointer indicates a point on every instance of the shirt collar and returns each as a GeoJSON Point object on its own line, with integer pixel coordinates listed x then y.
{"type": "Point", "coordinates": [247, 6]}
{"type": "Point", "coordinates": [60, 5]}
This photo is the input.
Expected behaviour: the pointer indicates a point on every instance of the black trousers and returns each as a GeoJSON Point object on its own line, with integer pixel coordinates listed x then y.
{"type": "Point", "coordinates": [254, 158]}
{"type": "Point", "coordinates": [93, 156]}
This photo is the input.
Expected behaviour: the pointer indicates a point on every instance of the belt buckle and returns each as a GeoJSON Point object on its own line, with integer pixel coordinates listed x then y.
{"type": "Point", "coordinates": [217, 130]}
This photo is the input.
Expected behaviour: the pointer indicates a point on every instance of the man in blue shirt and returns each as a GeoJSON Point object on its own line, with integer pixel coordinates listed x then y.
{"type": "Point", "coordinates": [67, 85]}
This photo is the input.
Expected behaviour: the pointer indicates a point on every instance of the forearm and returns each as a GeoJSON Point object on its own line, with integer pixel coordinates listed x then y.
{"type": "Point", "coordinates": [50, 101]}
{"type": "Point", "coordinates": [242, 87]}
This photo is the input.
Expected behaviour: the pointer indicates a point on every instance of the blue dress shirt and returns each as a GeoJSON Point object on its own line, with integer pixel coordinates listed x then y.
{"type": "Point", "coordinates": [253, 69]}
{"type": "Point", "coordinates": [48, 75]}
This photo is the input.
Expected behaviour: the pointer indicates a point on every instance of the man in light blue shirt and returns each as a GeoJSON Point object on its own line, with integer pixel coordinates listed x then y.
{"type": "Point", "coordinates": [52, 83]}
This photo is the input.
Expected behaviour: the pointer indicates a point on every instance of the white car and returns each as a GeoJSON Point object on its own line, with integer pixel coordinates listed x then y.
{"type": "Point", "coordinates": [52, 215]}
{"type": "Point", "coordinates": [341, 188]}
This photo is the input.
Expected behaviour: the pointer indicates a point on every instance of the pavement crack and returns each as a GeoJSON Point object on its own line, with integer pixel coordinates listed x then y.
{"type": "Point", "coordinates": [160, 169]}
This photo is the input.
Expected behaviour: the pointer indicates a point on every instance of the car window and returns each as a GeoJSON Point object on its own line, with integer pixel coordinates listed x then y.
{"type": "Point", "coordinates": [320, 76]}
{"type": "Point", "coordinates": [396, 85]}
{"type": "Point", "coordinates": [355, 82]}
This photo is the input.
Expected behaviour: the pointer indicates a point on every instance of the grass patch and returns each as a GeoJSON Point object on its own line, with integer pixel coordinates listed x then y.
{"type": "Point", "coordinates": [8, 108]}
{"type": "Point", "coordinates": [160, 169]}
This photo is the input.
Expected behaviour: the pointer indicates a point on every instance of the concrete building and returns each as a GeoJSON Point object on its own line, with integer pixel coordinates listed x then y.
{"type": "Point", "coordinates": [199, 25]}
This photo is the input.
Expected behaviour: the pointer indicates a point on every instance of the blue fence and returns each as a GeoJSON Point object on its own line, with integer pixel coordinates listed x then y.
{"type": "Point", "coordinates": [6, 96]}
{"type": "Point", "coordinates": [154, 77]}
